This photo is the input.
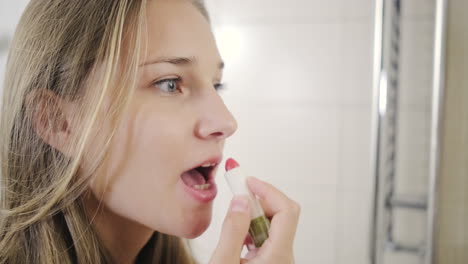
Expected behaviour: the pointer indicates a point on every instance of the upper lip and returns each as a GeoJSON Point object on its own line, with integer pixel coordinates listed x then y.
{"type": "Point", "coordinates": [216, 160]}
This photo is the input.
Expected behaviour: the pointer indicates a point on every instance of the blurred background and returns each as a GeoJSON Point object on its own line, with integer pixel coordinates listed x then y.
{"type": "Point", "coordinates": [356, 109]}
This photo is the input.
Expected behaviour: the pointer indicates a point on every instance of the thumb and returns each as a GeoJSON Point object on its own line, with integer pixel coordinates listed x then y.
{"type": "Point", "coordinates": [235, 228]}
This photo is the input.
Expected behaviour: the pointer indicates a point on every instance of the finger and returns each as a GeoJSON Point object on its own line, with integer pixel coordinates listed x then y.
{"type": "Point", "coordinates": [249, 256]}
{"type": "Point", "coordinates": [235, 227]}
{"type": "Point", "coordinates": [284, 213]}
{"type": "Point", "coordinates": [274, 199]}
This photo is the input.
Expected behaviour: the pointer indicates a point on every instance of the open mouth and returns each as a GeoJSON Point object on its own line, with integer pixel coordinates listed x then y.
{"type": "Point", "coordinates": [200, 178]}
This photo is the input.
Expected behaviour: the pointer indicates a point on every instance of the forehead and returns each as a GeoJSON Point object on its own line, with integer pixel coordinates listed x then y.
{"type": "Point", "coordinates": [177, 28]}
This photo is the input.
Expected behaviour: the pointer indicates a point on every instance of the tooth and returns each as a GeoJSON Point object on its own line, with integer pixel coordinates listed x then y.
{"type": "Point", "coordinates": [208, 165]}
{"type": "Point", "coordinates": [202, 186]}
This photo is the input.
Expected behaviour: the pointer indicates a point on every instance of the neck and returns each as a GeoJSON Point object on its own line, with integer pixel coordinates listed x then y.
{"type": "Point", "coordinates": [122, 237]}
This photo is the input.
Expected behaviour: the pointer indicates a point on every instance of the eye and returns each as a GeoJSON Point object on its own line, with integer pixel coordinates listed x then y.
{"type": "Point", "coordinates": [220, 86]}
{"type": "Point", "coordinates": [168, 85]}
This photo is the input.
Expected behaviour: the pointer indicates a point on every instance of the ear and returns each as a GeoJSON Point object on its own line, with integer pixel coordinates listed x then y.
{"type": "Point", "coordinates": [51, 118]}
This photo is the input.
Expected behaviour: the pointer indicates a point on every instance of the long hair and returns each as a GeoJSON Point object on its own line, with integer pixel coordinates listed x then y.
{"type": "Point", "coordinates": [57, 47]}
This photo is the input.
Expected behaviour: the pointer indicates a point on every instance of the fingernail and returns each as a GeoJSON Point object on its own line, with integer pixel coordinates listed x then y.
{"type": "Point", "coordinates": [239, 204]}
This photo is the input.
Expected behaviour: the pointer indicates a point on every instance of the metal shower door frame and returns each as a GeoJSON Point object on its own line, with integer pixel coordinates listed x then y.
{"type": "Point", "coordinates": [380, 237]}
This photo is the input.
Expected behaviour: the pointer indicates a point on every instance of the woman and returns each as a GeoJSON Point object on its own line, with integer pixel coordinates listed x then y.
{"type": "Point", "coordinates": [110, 117]}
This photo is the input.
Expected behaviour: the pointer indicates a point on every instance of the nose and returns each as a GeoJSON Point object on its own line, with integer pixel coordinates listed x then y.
{"type": "Point", "coordinates": [215, 120]}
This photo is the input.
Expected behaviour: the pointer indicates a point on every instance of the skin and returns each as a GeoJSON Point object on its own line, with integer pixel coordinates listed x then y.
{"type": "Point", "coordinates": [167, 131]}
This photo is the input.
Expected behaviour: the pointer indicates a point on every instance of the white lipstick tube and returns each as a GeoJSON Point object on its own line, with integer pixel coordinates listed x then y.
{"type": "Point", "coordinates": [259, 224]}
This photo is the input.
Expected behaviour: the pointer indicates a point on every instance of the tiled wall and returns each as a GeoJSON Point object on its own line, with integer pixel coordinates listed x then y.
{"type": "Point", "coordinates": [300, 87]}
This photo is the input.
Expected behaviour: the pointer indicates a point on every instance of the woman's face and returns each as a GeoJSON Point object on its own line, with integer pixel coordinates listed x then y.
{"type": "Point", "coordinates": [176, 122]}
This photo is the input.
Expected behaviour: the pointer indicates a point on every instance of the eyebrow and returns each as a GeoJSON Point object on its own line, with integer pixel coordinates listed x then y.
{"type": "Point", "coordinates": [182, 61]}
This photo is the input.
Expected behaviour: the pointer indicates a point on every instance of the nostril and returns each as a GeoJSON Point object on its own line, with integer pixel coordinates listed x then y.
{"type": "Point", "coordinates": [217, 134]}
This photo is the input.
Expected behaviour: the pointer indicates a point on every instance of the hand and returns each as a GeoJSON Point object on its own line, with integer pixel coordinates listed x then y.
{"type": "Point", "coordinates": [278, 248]}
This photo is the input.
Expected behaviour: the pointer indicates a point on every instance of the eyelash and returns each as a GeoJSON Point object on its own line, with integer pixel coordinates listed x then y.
{"type": "Point", "coordinates": [218, 87]}
{"type": "Point", "coordinates": [160, 82]}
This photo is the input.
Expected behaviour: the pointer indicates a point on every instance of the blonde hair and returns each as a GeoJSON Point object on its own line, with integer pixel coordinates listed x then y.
{"type": "Point", "coordinates": [58, 45]}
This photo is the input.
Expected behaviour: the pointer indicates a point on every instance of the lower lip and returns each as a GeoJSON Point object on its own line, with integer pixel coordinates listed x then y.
{"type": "Point", "coordinates": [203, 196]}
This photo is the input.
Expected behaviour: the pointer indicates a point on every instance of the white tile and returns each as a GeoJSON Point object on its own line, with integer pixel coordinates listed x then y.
{"type": "Point", "coordinates": [286, 143]}
{"type": "Point", "coordinates": [353, 225]}
{"type": "Point", "coordinates": [278, 11]}
{"type": "Point", "coordinates": [401, 258]}
{"type": "Point", "coordinates": [416, 60]}
{"type": "Point", "coordinates": [355, 188]}
{"type": "Point", "coordinates": [315, 239]}
{"type": "Point", "coordinates": [286, 63]}
{"type": "Point", "coordinates": [412, 173]}
{"type": "Point", "coordinates": [362, 10]}
{"type": "Point", "coordinates": [409, 227]}
{"type": "Point", "coordinates": [355, 125]}
{"type": "Point", "coordinates": [413, 126]}
{"type": "Point", "coordinates": [355, 148]}
{"type": "Point", "coordinates": [418, 9]}
{"type": "Point", "coordinates": [412, 157]}
{"type": "Point", "coordinates": [356, 63]}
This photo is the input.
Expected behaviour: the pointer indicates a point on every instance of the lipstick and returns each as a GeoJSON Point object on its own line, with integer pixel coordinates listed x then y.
{"type": "Point", "coordinates": [259, 224]}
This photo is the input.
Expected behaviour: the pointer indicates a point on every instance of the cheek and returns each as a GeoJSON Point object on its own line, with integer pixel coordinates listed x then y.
{"type": "Point", "coordinates": [142, 163]}
{"type": "Point", "coordinates": [140, 180]}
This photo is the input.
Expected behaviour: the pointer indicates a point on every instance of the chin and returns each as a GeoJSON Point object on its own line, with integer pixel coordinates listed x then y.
{"type": "Point", "coordinates": [195, 226]}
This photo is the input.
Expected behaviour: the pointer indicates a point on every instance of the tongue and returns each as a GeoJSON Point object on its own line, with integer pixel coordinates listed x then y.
{"type": "Point", "coordinates": [193, 177]}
